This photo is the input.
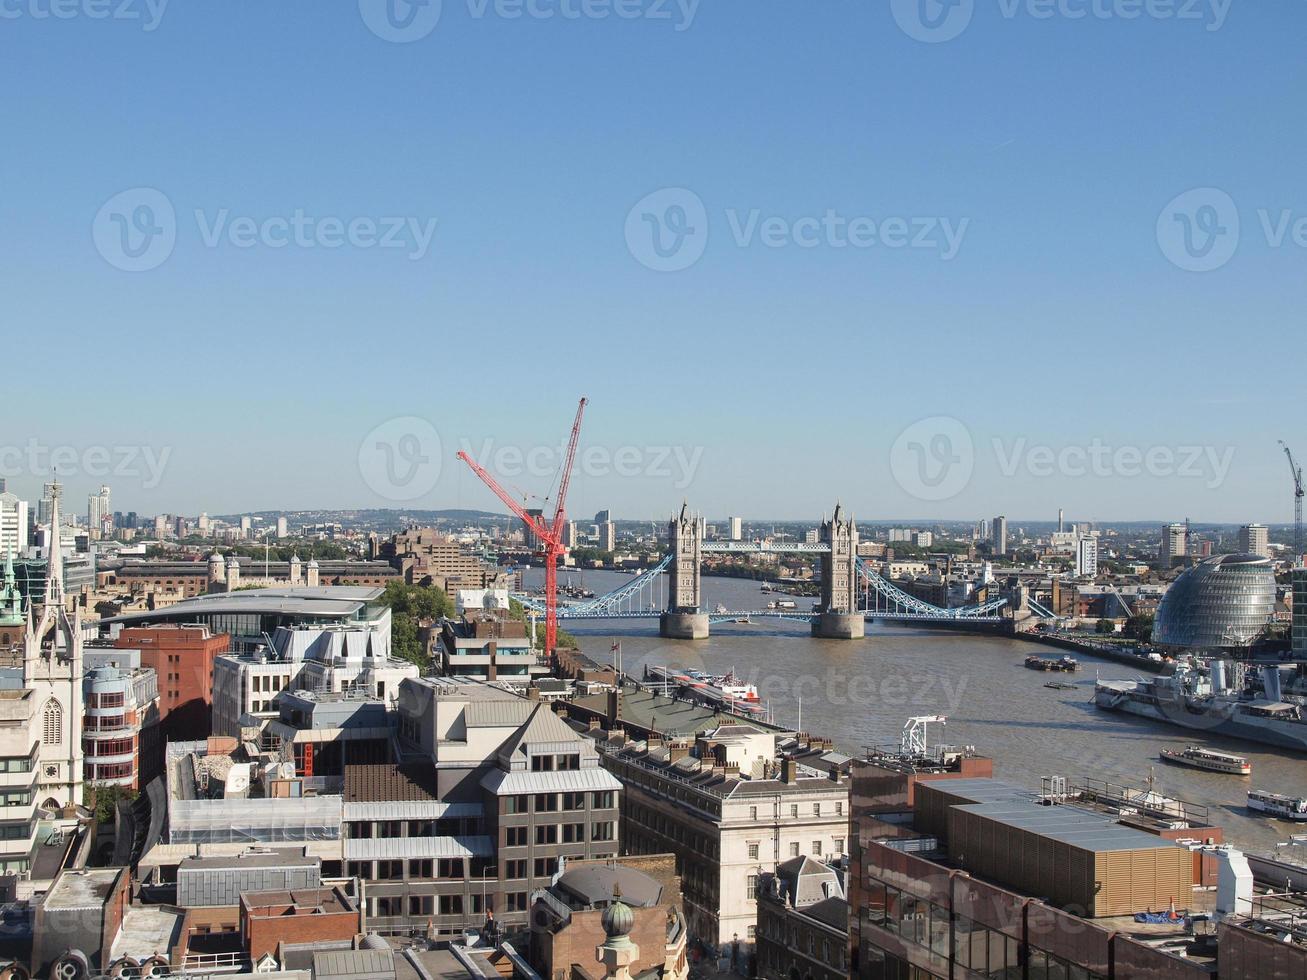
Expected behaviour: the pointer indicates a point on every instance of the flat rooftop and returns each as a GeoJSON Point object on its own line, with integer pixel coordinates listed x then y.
{"type": "Point", "coordinates": [326, 601]}
{"type": "Point", "coordinates": [86, 889]}
{"type": "Point", "coordinates": [1069, 824]}
{"type": "Point", "coordinates": [274, 859]}
{"type": "Point", "coordinates": [147, 930]}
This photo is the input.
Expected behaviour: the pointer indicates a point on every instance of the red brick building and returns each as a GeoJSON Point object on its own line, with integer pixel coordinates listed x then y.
{"type": "Point", "coordinates": [182, 657]}
{"type": "Point", "coordinates": [314, 915]}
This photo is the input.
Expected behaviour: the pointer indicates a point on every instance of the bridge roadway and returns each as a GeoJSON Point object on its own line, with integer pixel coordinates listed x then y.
{"type": "Point", "coordinates": [794, 615]}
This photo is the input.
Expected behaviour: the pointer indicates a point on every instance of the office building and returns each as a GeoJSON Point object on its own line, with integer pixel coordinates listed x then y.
{"type": "Point", "coordinates": [14, 530]}
{"type": "Point", "coordinates": [1223, 602]}
{"type": "Point", "coordinates": [120, 727]}
{"type": "Point", "coordinates": [568, 918]}
{"type": "Point", "coordinates": [1086, 557]}
{"type": "Point", "coordinates": [424, 556]}
{"type": "Point", "coordinates": [182, 659]}
{"type": "Point", "coordinates": [161, 527]}
{"type": "Point", "coordinates": [1174, 546]}
{"type": "Point", "coordinates": [1254, 539]}
{"type": "Point", "coordinates": [998, 535]}
{"type": "Point", "coordinates": [735, 528]}
{"type": "Point", "coordinates": [317, 659]}
{"type": "Point", "coordinates": [1299, 622]}
{"type": "Point", "coordinates": [283, 528]}
{"type": "Point", "coordinates": [923, 539]}
{"type": "Point", "coordinates": [247, 528]}
{"type": "Point", "coordinates": [803, 922]}
{"type": "Point", "coordinates": [99, 515]}
{"type": "Point", "coordinates": [485, 643]}
{"type": "Point", "coordinates": [603, 516]}
{"type": "Point", "coordinates": [608, 536]}
{"type": "Point", "coordinates": [730, 804]}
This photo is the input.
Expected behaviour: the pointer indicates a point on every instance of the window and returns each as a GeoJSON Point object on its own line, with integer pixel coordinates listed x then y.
{"type": "Point", "coordinates": [450, 867]}
{"type": "Point", "coordinates": [816, 809]}
{"type": "Point", "coordinates": [839, 809]}
{"type": "Point", "coordinates": [516, 804]}
{"type": "Point", "coordinates": [753, 813]}
{"type": "Point", "coordinates": [546, 802]}
{"type": "Point", "coordinates": [547, 834]}
{"type": "Point", "coordinates": [451, 904]}
{"type": "Point", "coordinates": [603, 831]}
{"type": "Point", "coordinates": [794, 850]}
{"type": "Point", "coordinates": [839, 845]}
{"type": "Point", "coordinates": [751, 883]}
{"type": "Point", "coordinates": [419, 905]}
{"type": "Point", "coordinates": [516, 901]}
{"type": "Point", "coordinates": [753, 852]}
{"type": "Point", "coordinates": [603, 801]}
{"type": "Point", "coordinates": [514, 869]}
{"type": "Point", "coordinates": [753, 932]}
{"type": "Point", "coordinates": [515, 837]}
{"type": "Point", "coordinates": [794, 810]}
{"type": "Point", "coordinates": [573, 801]}
{"type": "Point", "coordinates": [573, 833]}
{"type": "Point", "coordinates": [546, 867]}
{"type": "Point", "coordinates": [816, 847]}
{"type": "Point", "coordinates": [53, 723]}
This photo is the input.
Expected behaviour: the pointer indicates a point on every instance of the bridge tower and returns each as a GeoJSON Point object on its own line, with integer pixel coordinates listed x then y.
{"type": "Point", "coordinates": [683, 619]}
{"type": "Point", "coordinates": [840, 618]}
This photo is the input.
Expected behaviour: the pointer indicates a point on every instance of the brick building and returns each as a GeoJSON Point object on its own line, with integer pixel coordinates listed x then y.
{"type": "Point", "coordinates": [314, 915]}
{"type": "Point", "coordinates": [182, 659]}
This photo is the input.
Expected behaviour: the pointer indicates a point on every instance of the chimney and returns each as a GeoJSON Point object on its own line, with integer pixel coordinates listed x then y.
{"type": "Point", "coordinates": [533, 693]}
{"type": "Point", "coordinates": [614, 707]}
{"type": "Point", "coordinates": [789, 771]}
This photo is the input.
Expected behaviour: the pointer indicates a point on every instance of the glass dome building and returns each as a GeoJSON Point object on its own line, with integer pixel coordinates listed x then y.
{"type": "Point", "coordinates": [1223, 601]}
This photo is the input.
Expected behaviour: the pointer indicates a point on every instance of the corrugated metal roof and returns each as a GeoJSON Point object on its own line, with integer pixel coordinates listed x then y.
{"type": "Point", "coordinates": [410, 810]}
{"type": "Point", "coordinates": [498, 712]}
{"type": "Point", "coordinates": [354, 964]}
{"type": "Point", "coordinates": [569, 781]}
{"type": "Point", "coordinates": [401, 848]}
{"type": "Point", "coordinates": [1070, 825]}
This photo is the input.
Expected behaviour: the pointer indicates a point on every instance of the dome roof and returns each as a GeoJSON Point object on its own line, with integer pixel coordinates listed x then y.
{"type": "Point", "coordinates": [618, 919]}
{"type": "Point", "coordinates": [1223, 601]}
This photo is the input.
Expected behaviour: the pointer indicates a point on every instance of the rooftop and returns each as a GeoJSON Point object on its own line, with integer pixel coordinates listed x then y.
{"type": "Point", "coordinates": [325, 601]}
{"type": "Point", "coordinates": [86, 889]}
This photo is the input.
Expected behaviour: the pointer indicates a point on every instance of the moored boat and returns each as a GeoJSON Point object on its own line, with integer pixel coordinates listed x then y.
{"type": "Point", "coordinates": [1277, 804]}
{"type": "Point", "coordinates": [1197, 757]}
{"type": "Point", "coordinates": [1066, 664]}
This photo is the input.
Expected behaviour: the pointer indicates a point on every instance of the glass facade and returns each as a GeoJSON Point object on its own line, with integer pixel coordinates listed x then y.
{"type": "Point", "coordinates": [1300, 612]}
{"type": "Point", "coordinates": [1223, 601]}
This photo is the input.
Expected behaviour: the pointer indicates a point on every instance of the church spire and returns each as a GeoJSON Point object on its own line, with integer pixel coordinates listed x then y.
{"type": "Point", "coordinates": [54, 570]}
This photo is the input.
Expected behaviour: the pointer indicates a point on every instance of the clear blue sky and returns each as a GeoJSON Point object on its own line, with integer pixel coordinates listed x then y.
{"type": "Point", "coordinates": [1059, 321]}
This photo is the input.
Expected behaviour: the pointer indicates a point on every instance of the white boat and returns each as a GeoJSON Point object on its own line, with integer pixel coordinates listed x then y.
{"type": "Point", "coordinates": [1197, 757]}
{"type": "Point", "coordinates": [1277, 804]}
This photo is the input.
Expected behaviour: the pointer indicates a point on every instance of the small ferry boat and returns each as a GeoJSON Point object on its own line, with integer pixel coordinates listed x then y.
{"type": "Point", "coordinates": [1197, 757]}
{"type": "Point", "coordinates": [1066, 664]}
{"type": "Point", "coordinates": [1277, 804]}
{"type": "Point", "coordinates": [1060, 686]}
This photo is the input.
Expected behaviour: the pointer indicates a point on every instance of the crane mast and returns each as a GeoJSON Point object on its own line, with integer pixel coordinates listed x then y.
{"type": "Point", "coordinates": [1296, 471]}
{"type": "Point", "coordinates": [551, 533]}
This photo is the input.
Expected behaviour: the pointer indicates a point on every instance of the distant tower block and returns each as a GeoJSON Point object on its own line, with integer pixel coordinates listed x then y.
{"type": "Point", "coordinates": [839, 618]}
{"type": "Point", "coordinates": [683, 619]}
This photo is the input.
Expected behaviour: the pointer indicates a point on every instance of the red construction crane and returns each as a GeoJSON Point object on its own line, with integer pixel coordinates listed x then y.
{"type": "Point", "coordinates": [551, 533]}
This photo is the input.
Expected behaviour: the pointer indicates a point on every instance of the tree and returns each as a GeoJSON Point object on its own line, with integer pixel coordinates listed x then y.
{"type": "Point", "coordinates": [410, 607]}
{"type": "Point", "coordinates": [1106, 626]}
{"type": "Point", "coordinates": [103, 799]}
{"type": "Point", "coordinates": [1140, 627]}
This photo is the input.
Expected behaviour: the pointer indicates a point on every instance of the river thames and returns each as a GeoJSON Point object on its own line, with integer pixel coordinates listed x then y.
{"type": "Point", "coordinates": [860, 692]}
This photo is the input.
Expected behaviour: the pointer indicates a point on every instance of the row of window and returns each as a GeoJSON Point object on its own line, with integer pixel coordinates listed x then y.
{"type": "Point", "coordinates": [113, 699]}
{"type": "Point", "coordinates": [554, 802]}
{"type": "Point", "coordinates": [795, 848]}
{"type": "Point", "coordinates": [775, 929]}
{"type": "Point", "coordinates": [386, 829]}
{"type": "Point", "coordinates": [425, 869]}
{"type": "Point", "coordinates": [109, 746]}
{"type": "Point", "coordinates": [568, 833]}
{"type": "Point", "coordinates": [556, 763]}
{"type": "Point", "coordinates": [795, 810]}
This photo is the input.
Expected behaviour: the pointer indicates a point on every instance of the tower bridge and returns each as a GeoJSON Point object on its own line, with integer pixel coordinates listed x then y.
{"type": "Point", "coordinates": [851, 591]}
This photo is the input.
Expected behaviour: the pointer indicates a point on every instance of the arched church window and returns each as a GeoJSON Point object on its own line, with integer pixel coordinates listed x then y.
{"type": "Point", "coordinates": [53, 733]}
